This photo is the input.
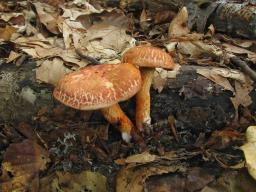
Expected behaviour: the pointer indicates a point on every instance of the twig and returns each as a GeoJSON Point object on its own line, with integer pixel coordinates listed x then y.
{"type": "Point", "coordinates": [86, 57]}
{"type": "Point", "coordinates": [244, 67]}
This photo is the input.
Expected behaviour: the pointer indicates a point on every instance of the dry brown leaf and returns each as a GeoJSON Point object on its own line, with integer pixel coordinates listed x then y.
{"type": "Point", "coordinates": [178, 27]}
{"type": "Point", "coordinates": [31, 51]}
{"type": "Point", "coordinates": [140, 166]}
{"type": "Point", "coordinates": [224, 72]}
{"type": "Point", "coordinates": [33, 41]}
{"type": "Point", "coordinates": [197, 48]}
{"type": "Point", "coordinates": [211, 30]}
{"type": "Point", "coordinates": [74, 12]}
{"type": "Point", "coordinates": [24, 161]}
{"type": "Point", "coordinates": [54, 3]}
{"type": "Point", "coordinates": [6, 33]}
{"type": "Point", "coordinates": [50, 71]}
{"type": "Point", "coordinates": [242, 91]}
{"type": "Point", "coordinates": [193, 180]}
{"type": "Point", "coordinates": [132, 178]}
{"type": "Point", "coordinates": [13, 18]}
{"type": "Point", "coordinates": [105, 42]}
{"type": "Point", "coordinates": [47, 16]}
{"type": "Point", "coordinates": [13, 56]}
{"type": "Point", "coordinates": [238, 50]}
{"type": "Point", "coordinates": [159, 83]}
{"type": "Point", "coordinates": [246, 43]}
{"type": "Point", "coordinates": [116, 18]}
{"type": "Point", "coordinates": [85, 181]}
{"type": "Point", "coordinates": [219, 75]}
{"type": "Point", "coordinates": [145, 157]}
{"type": "Point", "coordinates": [68, 55]}
{"type": "Point", "coordinates": [4, 6]}
{"type": "Point", "coordinates": [40, 48]}
{"type": "Point", "coordinates": [161, 76]}
{"type": "Point", "coordinates": [144, 19]}
{"type": "Point", "coordinates": [45, 183]}
{"type": "Point", "coordinates": [163, 16]}
{"type": "Point", "coordinates": [217, 78]}
{"type": "Point", "coordinates": [232, 181]}
{"type": "Point", "coordinates": [67, 35]}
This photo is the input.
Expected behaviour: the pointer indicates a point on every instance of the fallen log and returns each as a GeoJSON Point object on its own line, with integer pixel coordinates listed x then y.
{"type": "Point", "coordinates": [196, 102]}
{"type": "Point", "coordinates": [236, 19]}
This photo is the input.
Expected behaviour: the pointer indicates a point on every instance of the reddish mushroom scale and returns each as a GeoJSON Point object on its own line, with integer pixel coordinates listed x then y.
{"type": "Point", "coordinates": [148, 56]}
{"type": "Point", "coordinates": [98, 86]}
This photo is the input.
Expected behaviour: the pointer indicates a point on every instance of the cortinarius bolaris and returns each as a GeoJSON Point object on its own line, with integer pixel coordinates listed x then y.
{"type": "Point", "coordinates": [101, 87]}
{"type": "Point", "coordinates": [148, 58]}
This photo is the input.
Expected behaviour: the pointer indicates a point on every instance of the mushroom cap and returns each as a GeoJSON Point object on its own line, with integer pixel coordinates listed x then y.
{"type": "Point", "coordinates": [148, 56]}
{"type": "Point", "coordinates": [98, 86]}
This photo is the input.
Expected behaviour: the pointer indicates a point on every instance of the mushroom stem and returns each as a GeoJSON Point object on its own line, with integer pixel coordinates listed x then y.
{"type": "Point", "coordinates": [143, 99]}
{"type": "Point", "coordinates": [115, 116]}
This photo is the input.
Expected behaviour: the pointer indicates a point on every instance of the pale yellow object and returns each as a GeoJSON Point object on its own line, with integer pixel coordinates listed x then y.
{"type": "Point", "coordinates": [249, 150]}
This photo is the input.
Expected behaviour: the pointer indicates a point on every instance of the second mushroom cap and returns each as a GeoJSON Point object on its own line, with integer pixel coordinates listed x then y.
{"type": "Point", "coordinates": [148, 56]}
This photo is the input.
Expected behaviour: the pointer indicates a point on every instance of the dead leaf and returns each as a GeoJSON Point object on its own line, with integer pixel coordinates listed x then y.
{"type": "Point", "coordinates": [106, 42]}
{"type": "Point", "coordinates": [223, 139]}
{"type": "Point", "coordinates": [232, 181]}
{"type": "Point", "coordinates": [47, 16]}
{"type": "Point", "coordinates": [161, 76]}
{"type": "Point", "coordinates": [159, 83]}
{"type": "Point", "coordinates": [211, 31]}
{"type": "Point", "coordinates": [45, 183]}
{"type": "Point", "coordinates": [220, 75]}
{"type": "Point", "coordinates": [69, 56]}
{"type": "Point", "coordinates": [193, 180]}
{"type": "Point", "coordinates": [145, 157]}
{"type": "Point", "coordinates": [197, 49]}
{"type": "Point", "coordinates": [163, 16]}
{"type": "Point", "coordinates": [33, 41]}
{"type": "Point", "coordinates": [132, 178]}
{"type": "Point", "coordinates": [85, 181]}
{"type": "Point", "coordinates": [13, 56]}
{"type": "Point", "coordinates": [67, 35]}
{"type": "Point", "coordinates": [23, 161]}
{"type": "Point", "coordinates": [242, 91]}
{"type": "Point", "coordinates": [144, 20]}
{"type": "Point", "coordinates": [178, 27]}
{"type": "Point", "coordinates": [87, 9]}
{"type": "Point", "coordinates": [218, 79]}
{"type": "Point", "coordinates": [6, 33]}
{"type": "Point", "coordinates": [54, 3]}
{"type": "Point", "coordinates": [50, 71]}
{"type": "Point", "coordinates": [238, 50]}
{"type": "Point", "coordinates": [27, 130]}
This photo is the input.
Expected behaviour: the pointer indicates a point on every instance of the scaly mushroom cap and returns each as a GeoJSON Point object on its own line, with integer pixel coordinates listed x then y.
{"type": "Point", "coordinates": [98, 86]}
{"type": "Point", "coordinates": [148, 56]}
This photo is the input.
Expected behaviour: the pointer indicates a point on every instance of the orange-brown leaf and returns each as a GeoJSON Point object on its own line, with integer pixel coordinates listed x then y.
{"type": "Point", "coordinates": [23, 161]}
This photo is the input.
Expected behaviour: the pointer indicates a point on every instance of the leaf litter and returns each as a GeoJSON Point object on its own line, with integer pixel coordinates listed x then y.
{"type": "Point", "coordinates": [73, 155]}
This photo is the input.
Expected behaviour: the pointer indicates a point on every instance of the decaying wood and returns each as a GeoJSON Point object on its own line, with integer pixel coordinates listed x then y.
{"type": "Point", "coordinates": [195, 102]}
{"type": "Point", "coordinates": [235, 19]}
{"type": "Point", "coordinates": [238, 19]}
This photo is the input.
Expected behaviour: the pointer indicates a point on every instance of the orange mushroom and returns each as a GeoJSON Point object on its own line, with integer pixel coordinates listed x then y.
{"type": "Point", "coordinates": [148, 58]}
{"type": "Point", "coordinates": [101, 87]}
